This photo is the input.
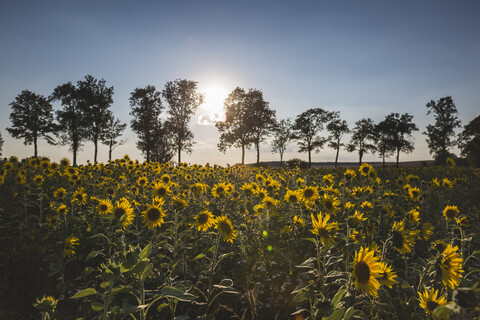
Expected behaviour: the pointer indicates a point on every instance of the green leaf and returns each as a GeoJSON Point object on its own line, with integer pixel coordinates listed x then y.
{"type": "Point", "coordinates": [200, 256]}
{"type": "Point", "coordinates": [148, 271]}
{"type": "Point", "coordinates": [92, 254]}
{"type": "Point", "coordinates": [140, 267]}
{"type": "Point", "coordinates": [336, 315]}
{"type": "Point", "coordinates": [162, 306]}
{"type": "Point", "coordinates": [349, 314]}
{"type": "Point", "coordinates": [441, 312]}
{"type": "Point", "coordinates": [121, 289]}
{"type": "Point", "coordinates": [307, 263]}
{"type": "Point", "coordinates": [338, 297]}
{"type": "Point", "coordinates": [146, 251]}
{"type": "Point", "coordinates": [84, 293]}
{"type": "Point", "coordinates": [226, 283]}
{"type": "Point", "coordinates": [302, 286]}
{"type": "Point", "coordinates": [177, 294]}
{"type": "Point", "coordinates": [311, 240]}
{"type": "Point", "coordinates": [104, 284]}
{"type": "Point", "coordinates": [299, 312]}
{"type": "Point", "coordinates": [96, 306]}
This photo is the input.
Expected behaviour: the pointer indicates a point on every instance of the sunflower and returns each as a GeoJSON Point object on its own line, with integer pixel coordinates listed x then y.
{"type": "Point", "coordinates": [447, 184]}
{"type": "Point", "coordinates": [38, 180]}
{"type": "Point", "coordinates": [426, 230]}
{"type": "Point", "coordinates": [64, 162]}
{"type": "Point", "coordinates": [69, 246]}
{"type": "Point", "coordinates": [330, 203]}
{"type": "Point", "coordinates": [292, 196]}
{"type": "Point", "coordinates": [225, 228]}
{"type": "Point", "coordinates": [104, 206]}
{"type": "Point", "coordinates": [324, 230]}
{"type": "Point", "coordinates": [269, 202]}
{"type": "Point", "coordinates": [388, 276]}
{"type": "Point", "coordinates": [451, 265]}
{"type": "Point", "coordinates": [356, 219]}
{"type": "Point", "coordinates": [366, 205]}
{"type": "Point", "coordinates": [153, 215]}
{"type": "Point", "coordinates": [429, 300]}
{"type": "Point", "coordinates": [161, 190]}
{"type": "Point", "coordinates": [62, 209]}
{"type": "Point", "coordinates": [219, 190]}
{"type": "Point", "coordinates": [365, 169]}
{"type": "Point", "coordinates": [205, 220]}
{"type": "Point", "coordinates": [299, 222]}
{"type": "Point", "coordinates": [60, 193]}
{"type": "Point", "coordinates": [166, 179]}
{"type": "Point", "coordinates": [366, 271]}
{"type": "Point", "coordinates": [309, 194]}
{"type": "Point", "coordinates": [413, 216]}
{"type": "Point", "coordinates": [123, 212]}
{"type": "Point", "coordinates": [248, 189]}
{"type": "Point", "coordinates": [402, 240]}
{"type": "Point", "coordinates": [349, 174]}
{"type": "Point", "coordinates": [357, 236]}
{"type": "Point", "coordinates": [179, 203]}
{"type": "Point", "coordinates": [414, 193]}
{"type": "Point", "coordinates": [79, 197]}
{"type": "Point", "coordinates": [262, 193]}
{"type": "Point", "coordinates": [142, 181]}
{"type": "Point", "coordinates": [451, 212]}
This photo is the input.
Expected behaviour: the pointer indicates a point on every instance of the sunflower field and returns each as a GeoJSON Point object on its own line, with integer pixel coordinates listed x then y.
{"type": "Point", "coordinates": [130, 240]}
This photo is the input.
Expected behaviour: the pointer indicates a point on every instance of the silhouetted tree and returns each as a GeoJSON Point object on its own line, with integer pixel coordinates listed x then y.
{"type": "Point", "coordinates": [282, 135]}
{"type": "Point", "coordinates": [146, 107]}
{"type": "Point", "coordinates": [72, 127]}
{"type": "Point", "coordinates": [1, 144]}
{"type": "Point", "coordinates": [95, 100]}
{"type": "Point", "coordinates": [363, 138]}
{"type": "Point", "coordinates": [164, 150]}
{"type": "Point", "coordinates": [235, 131]}
{"type": "Point", "coordinates": [261, 118]}
{"type": "Point", "coordinates": [441, 135]}
{"type": "Point", "coordinates": [32, 118]}
{"type": "Point", "coordinates": [383, 139]}
{"type": "Point", "coordinates": [337, 129]}
{"type": "Point", "coordinates": [113, 131]}
{"type": "Point", "coordinates": [184, 100]}
{"type": "Point", "coordinates": [402, 128]}
{"type": "Point", "coordinates": [470, 141]}
{"type": "Point", "coordinates": [306, 128]}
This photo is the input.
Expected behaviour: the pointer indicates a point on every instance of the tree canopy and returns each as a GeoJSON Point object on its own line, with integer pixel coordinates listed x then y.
{"type": "Point", "coordinates": [32, 118]}
{"type": "Point", "coordinates": [306, 128]}
{"type": "Point", "coordinates": [184, 100]}
{"type": "Point", "coordinates": [282, 135]}
{"type": "Point", "coordinates": [363, 138]}
{"type": "Point", "coordinates": [337, 128]}
{"type": "Point", "coordinates": [441, 134]}
{"type": "Point", "coordinates": [470, 141]}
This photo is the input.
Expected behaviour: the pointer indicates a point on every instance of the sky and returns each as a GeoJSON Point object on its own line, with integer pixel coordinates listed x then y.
{"type": "Point", "coordinates": [362, 58]}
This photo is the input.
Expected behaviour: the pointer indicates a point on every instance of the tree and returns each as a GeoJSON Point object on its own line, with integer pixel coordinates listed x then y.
{"type": "Point", "coordinates": [1, 144]}
{"type": "Point", "coordinates": [440, 135]}
{"type": "Point", "coordinates": [32, 118]}
{"type": "Point", "coordinates": [282, 134]}
{"type": "Point", "coordinates": [337, 129]}
{"type": "Point", "coordinates": [72, 126]}
{"type": "Point", "coordinates": [95, 100]}
{"type": "Point", "coordinates": [235, 130]}
{"type": "Point", "coordinates": [470, 141]}
{"type": "Point", "coordinates": [261, 118]}
{"type": "Point", "coordinates": [113, 131]}
{"type": "Point", "coordinates": [401, 133]}
{"type": "Point", "coordinates": [306, 128]}
{"type": "Point", "coordinates": [383, 139]}
{"type": "Point", "coordinates": [146, 107]}
{"type": "Point", "coordinates": [184, 100]}
{"type": "Point", "coordinates": [363, 134]}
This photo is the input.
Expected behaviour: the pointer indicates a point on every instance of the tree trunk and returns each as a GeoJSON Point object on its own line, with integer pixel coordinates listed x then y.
{"type": "Point", "coordinates": [243, 154]}
{"type": "Point", "coordinates": [281, 159]}
{"type": "Point", "coordinates": [257, 146]}
{"type": "Point", "coordinates": [179, 151]}
{"type": "Point", "coordinates": [336, 157]}
{"type": "Point", "coordinates": [383, 158]}
{"type": "Point", "coordinates": [95, 142]}
{"type": "Point", "coordinates": [398, 156]}
{"type": "Point", "coordinates": [35, 147]}
{"type": "Point", "coordinates": [309, 158]}
{"type": "Point", "coordinates": [110, 151]}
{"type": "Point", "coordinates": [360, 156]}
{"type": "Point", "coordinates": [148, 155]}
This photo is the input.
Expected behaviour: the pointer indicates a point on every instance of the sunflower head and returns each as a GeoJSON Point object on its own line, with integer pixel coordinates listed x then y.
{"type": "Point", "coordinates": [153, 216]}
{"type": "Point", "coordinates": [451, 212]}
{"type": "Point", "coordinates": [225, 228]}
{"type": "Point", "coordinates": [429, 300]}
{"type": "Point", "coordinates": [366, 271]}
{"type": "Point", "coordinates": [123, 212]}
{"type": "Point", "coordinates": [205, 220]}
{"type": "Point", "coordinates": [326, 231]}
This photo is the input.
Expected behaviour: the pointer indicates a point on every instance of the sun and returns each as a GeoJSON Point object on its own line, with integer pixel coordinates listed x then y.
{"type": "Point", "coordinates": [212, 108]}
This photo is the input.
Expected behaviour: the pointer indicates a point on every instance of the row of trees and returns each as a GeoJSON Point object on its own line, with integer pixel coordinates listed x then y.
{"type": "Point", "coordinates": [85, 115]}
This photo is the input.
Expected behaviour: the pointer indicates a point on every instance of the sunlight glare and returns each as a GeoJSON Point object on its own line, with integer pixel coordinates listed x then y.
{"type": "Point", "coordinates": [213, 105]}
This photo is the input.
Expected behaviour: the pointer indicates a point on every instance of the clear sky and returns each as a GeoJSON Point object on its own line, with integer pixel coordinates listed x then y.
{"type": "Point", "coordinates": [362, 58]}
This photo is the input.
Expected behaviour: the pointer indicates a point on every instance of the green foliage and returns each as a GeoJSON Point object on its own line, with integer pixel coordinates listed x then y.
{"type": "Point", "coordinates": [32, 118]}
{"type": "Point", "coordinates": [470, 141]}
{"type": "Point", "coordinates": [282, 135]}
{"type": "Point", "coordinates": [363, 138]}
{"type": "Point", "coordinates": [184, 100]}
{"type": "Point", "coordinates": [441, 134]}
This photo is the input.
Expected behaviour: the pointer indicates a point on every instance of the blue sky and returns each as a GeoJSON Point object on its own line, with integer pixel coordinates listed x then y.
{"type": "Point", "coordinates": [362, 58]}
